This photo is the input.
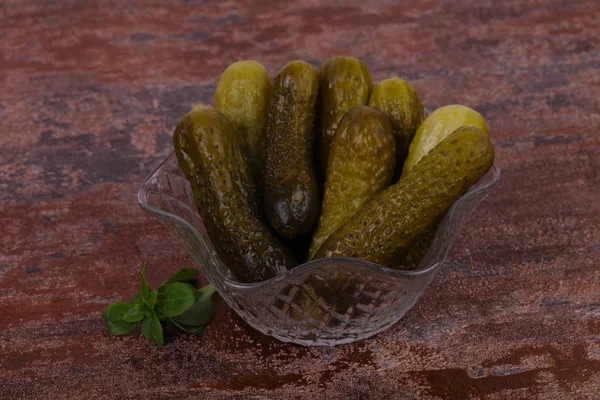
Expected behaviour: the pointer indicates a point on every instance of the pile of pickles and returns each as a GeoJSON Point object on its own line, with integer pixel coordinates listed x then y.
{"type": "Point", "coordinates": [319, 163]}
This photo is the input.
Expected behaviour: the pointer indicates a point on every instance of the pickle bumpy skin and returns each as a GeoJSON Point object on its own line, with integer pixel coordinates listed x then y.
{"type": "Point", "coordinates": [436, 127]}
{"type": "Point", "coordinates": [387, 225]}
{"type": "Point", "coordinates": [344, 83]}
{"type": "Point", "coordinates": [397, 99]}
{"type": "Point", "coordinates": [361, 165]}
{"type": "Point", "coordinates": [291, 192]}
{"type": "Point", "coordinates": [210, 155]}
{"type": "Point", "coordinates": [242, 96]}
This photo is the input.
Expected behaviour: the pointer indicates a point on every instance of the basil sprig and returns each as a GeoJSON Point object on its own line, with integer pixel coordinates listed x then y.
{"type": "Point", "coordinates": [176, 301]}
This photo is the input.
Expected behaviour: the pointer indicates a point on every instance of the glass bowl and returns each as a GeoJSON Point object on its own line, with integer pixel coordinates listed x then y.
{"type": "Point", "coordinates": [323, 302]}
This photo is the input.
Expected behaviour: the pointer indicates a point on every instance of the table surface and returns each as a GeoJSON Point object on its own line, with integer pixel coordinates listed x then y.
{"type": "Point", "coordinates": [89, 98]}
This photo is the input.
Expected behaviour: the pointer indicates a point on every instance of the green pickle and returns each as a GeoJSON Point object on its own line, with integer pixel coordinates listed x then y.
{"type": "Point", "coordinates": [397, 99]}
{"type": "Point", "coordinates": [387, 225]}
{"type": "Point", "coordinates": [210, 155]}
{"type": "Point", "coordinates": [344, 83]}
{"type": "Point", "coordinates": [436, 127]}
{"type": "Point", "coordinates": [411, 256]}
{"type": "Point", "coordinates": [361, 165]}
{"type": "Point", "coordinates": [291, 194]}
{"type": "Point", "coordinates": [242, 96]}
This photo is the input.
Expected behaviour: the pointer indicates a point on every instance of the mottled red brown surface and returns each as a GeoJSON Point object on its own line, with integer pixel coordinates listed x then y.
{"type": "Point", "coordinates": [90, 93]}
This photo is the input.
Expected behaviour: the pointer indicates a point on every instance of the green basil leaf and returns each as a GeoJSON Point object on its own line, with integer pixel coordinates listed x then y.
{"type": "Point", "coordinates": [158, 310]}
{"type": "Point", "coordinates": [151, 302]}
{"type": "Point", "coordinates": [115, 311]}
{"type": "Point", "coordinates": [134, 314]}
{"type": "Point", "coordinates": [152, 330]}
{"type": "Point", "coordinates": [113, 318]}
{"type": "Point", "coordinates": [137, 299]}
{"type": "Point", "coordinates": [160, 298]}
{"type": "Point", "coordinates": [161, 292]}
{"type": "Point", "coordinates": [118, 328]}
{"type": "Point", "coordinates": [183, 275]}
{"type": "Point", "coordinates": [177, 298]}
{"type": "Point", "coordinates": [188, 329]}
{"type": "Point", "coordinates": [145, 291]}
{"type": "Point", "coordinates": [201, 312]}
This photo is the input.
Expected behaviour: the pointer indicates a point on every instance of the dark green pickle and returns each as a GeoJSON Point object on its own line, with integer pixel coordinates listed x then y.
{"type": "Point", "coordinates": [291, 192]}
{"type": "Point", "coordinates": [411, 257]}
{"type": "Point", "coordinates": [242, 95]}
{"type": "Point", "coordinates": [344, 83]}
{"type": "Point", "coordinates": [397, 99]}
{"type": "Point", "coordinates": [210, 155]}
{"type": "Point", "coordinates": [388, 224]}
{"type": "Point", "coordinates": [361, 165]}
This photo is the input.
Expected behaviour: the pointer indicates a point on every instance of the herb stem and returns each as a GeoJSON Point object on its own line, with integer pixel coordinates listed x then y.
{"type": "Point", "coordinates": [209, 289]}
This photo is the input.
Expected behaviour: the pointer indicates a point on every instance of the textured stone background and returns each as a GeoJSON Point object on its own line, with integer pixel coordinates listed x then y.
{"type": "Point", "coordinates": [90, 93]}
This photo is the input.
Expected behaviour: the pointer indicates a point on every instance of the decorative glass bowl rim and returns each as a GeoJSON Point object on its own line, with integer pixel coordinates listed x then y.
{"type": "Point", "coordinates": [489, 180]}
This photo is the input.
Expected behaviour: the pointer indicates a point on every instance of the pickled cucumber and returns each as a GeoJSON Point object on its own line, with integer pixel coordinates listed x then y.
{"type": "Point", "coordinates": [210, 155]}
{"type": "Point", "coordinates": [242, 96]}
{"type": "Point", "coordinates": [397, 99]}
{"type": "Point", "coordinates": [344, 83]}
{"type": "Point", "coordinates": [361, 165]}
{"type": "Point", "coordinates": [291, 192]}
{"type": "Point", "coordinates": [436, 127]}
{"type": "Point", "coordinates": [411, 256]}
{"type": "Point", "coordinates": [383, 229]}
